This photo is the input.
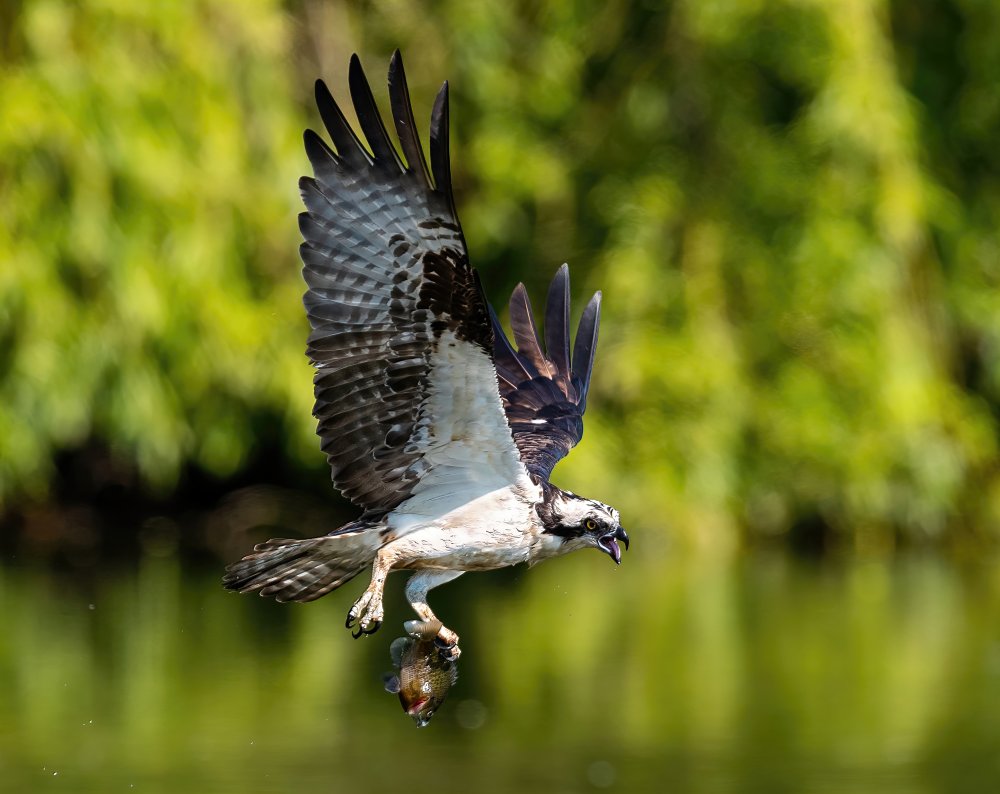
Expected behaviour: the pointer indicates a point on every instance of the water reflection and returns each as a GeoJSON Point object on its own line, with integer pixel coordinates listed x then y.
{"type": "Point", "coordinates": [764, 674]}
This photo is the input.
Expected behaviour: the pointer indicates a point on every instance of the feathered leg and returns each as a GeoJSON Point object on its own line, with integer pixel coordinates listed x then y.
{"type": "Point", "coordinates": [366, 615]}
{"type": "Point", "coordinates": [429, 626]}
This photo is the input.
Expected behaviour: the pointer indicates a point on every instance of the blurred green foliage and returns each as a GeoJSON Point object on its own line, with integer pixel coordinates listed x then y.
{"type": "Point", "coordinates": [792, 209]}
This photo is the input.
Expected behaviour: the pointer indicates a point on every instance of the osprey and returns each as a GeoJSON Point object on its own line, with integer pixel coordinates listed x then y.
{"type": "Point", "coordinates": [433, 424]}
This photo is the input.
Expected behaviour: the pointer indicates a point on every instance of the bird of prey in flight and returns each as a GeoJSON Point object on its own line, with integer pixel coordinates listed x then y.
{"type": "Point", "coordinates": [434, 425]}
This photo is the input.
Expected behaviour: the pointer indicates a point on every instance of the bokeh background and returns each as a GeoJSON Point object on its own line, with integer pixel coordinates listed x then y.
{"type": "Point", "coordinates": [792, 208]}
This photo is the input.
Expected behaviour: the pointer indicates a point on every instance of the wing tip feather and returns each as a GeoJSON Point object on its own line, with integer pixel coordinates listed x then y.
{"type": "Point", "coordinates": [557, 333]}
{"type": "Point", "coordinates": [440, 155]}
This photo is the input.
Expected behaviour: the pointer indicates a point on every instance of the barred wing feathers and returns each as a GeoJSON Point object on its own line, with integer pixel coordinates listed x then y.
{"type": "Point", "coordinates": [401, 339]}
{"type": "Point", "coordinates": [545, 393]}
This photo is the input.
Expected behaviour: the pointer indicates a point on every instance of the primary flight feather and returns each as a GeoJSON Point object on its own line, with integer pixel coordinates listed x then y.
{"type": "Point", "coordinates": [439, 429]}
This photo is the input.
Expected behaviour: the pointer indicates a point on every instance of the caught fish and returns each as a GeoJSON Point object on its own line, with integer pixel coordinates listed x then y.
{"type": "Point", "coordinates": [423, 677]}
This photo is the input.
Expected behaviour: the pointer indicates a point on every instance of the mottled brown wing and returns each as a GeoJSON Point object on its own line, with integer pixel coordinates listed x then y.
{"type": "Point", "coordinates": [544, 394]}
{"type": "Point", "coordinates": [389, 284]}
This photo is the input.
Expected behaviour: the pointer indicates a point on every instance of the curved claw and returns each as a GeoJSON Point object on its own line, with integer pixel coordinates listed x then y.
{"type": "Point", "coordinates": [449, 654]}
{"type": "Point", "coordinates": [449, 651]}
{"type": "Point", "coordinates": [365, 617]}
{"type": "Point", "coordinates": [354, 622]}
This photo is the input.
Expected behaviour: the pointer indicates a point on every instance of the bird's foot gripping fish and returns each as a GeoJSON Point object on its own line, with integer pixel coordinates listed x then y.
{"type": "Point", "coordinates": [423, 674]}
{"type": "Point", "coordinates": [434, 425]}
{"type": "Point", "coordinates": [444, 639]}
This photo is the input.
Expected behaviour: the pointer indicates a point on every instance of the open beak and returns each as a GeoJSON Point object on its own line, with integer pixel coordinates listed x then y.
{"type": "Point", "coordinates": [609, 544]}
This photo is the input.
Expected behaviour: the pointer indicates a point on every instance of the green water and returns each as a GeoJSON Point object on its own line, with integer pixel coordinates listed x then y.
{"type": "Point", "coordinates": [761, 675]}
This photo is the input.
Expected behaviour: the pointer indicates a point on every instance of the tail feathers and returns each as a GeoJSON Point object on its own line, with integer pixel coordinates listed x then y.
{"type": "Point", "coordinates": [302, 570]}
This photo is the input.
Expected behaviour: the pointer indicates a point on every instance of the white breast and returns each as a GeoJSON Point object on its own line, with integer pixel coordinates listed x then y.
{"type": "Point", "coordinates": [492, 531]}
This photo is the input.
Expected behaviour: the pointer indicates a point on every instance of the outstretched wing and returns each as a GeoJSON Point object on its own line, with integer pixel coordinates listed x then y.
{"type": "Point", "coordinates": [406, 392]}
{"type": "Point", "coordinates": [544, 395]}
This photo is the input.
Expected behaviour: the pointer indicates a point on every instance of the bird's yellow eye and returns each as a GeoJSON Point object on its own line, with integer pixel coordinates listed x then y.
{"type": "Point", "coordinates": [590, 524]}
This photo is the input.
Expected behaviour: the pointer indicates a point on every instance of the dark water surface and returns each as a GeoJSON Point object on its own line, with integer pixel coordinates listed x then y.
{"type": "Point", "coordinates": [759, 675]}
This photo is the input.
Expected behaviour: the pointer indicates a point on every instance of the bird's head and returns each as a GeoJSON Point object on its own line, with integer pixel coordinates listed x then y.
{"type": "Point", "coordinates": [581, 522]}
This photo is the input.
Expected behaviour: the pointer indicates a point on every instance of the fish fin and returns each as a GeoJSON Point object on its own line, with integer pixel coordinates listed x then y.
{"type": "Point", "coordinates": [396, 650]}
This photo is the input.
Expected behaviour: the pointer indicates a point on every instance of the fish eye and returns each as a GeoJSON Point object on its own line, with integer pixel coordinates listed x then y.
{"type": "Point", "coordinates": [590, 524]}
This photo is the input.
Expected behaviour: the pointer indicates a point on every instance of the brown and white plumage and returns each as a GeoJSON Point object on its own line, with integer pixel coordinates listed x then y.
{"type": "Point", "coordinates": [544, 394]}
{"type": "Point", "coordinates": [442, 432]}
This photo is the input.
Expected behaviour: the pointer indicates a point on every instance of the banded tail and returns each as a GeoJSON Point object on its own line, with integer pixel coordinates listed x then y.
{"type": "Point", "coordinates": [303, 570]}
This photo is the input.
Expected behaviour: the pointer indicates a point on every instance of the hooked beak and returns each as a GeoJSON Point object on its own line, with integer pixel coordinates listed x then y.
{"type": "Point", "coordinates": [608, 543]}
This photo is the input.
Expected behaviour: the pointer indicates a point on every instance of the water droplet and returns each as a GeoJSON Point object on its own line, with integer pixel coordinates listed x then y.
{"type": "Point", "coordinates": [471, 714]}
{"type": "Point", "coordinates": [601, 774]}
